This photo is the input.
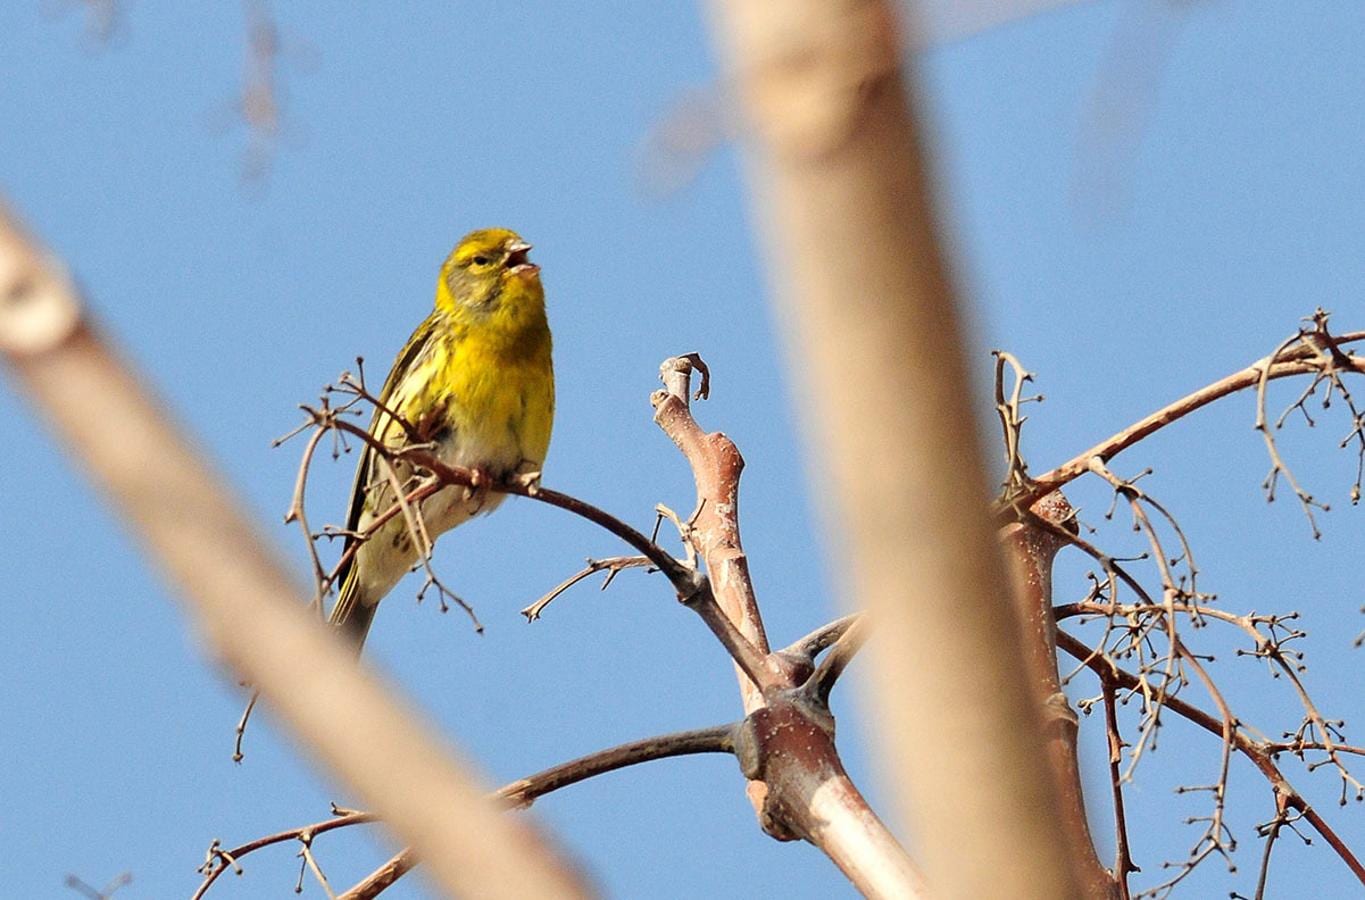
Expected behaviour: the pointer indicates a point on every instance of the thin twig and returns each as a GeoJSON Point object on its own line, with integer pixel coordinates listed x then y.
{"type": "Point", "coordinates": [219, 860]}
{"type": "Point", "coordinates": [612, 565]}
{"type": "Point", "coordinates": [298, 513]}
{"type": "Point", "coordinates": [1123, 859]}
{"type": "Point", "coordinates": [239, 732]}
{"type": "Point", "coordinates": [1012, 420]}
{"type": "Point", "coordinates": [821, 638]}
{"type": "Point", "coordinates": [306, 851]}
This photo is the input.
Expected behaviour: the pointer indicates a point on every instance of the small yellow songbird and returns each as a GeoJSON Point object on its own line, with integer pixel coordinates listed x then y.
{"type": "Point", "coordinates": [476, 380]}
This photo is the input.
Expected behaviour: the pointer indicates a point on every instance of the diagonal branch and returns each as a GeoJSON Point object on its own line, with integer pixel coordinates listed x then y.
{"type": "Point", "coordinates": [1302, 360]}
{"type": "Point", "coordinates": [841, 653]}
{"type": "Point", "coordinates": [612, 565]}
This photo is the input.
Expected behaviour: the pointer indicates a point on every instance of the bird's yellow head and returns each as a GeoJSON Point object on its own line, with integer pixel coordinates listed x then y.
{"type": "Point", "coordinates": [488, 274]}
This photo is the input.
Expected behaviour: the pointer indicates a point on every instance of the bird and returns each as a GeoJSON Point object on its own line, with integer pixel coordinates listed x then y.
{"type": "Point", "coordinates": [475, 382]}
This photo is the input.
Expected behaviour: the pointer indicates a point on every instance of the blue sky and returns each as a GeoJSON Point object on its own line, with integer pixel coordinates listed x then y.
{"type": "Point", "coordinates": [1124, 270]}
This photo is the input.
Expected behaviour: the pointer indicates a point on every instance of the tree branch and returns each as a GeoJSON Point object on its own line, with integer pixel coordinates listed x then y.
{"type": "Point", "coordinates": [1032, 550]}
{"type": "Point", "coordinates": [841, 653]}
{"type": "Point", "coordinates": [1298, 361]}
{"type": "Point", "coordinates": [714, 527]}
{"type": "Point", "coordinates": [518, 794]}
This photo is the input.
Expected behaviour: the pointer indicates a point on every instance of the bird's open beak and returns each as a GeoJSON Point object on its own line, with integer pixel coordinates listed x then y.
{"type": "Point", "coordinates": [517, 259]}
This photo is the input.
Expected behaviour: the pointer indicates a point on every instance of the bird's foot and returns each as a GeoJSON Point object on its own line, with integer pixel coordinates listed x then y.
{"type": "Point", "coordinates": [480, 482]}
{"type": "Point", "coordinates": [527, 476]}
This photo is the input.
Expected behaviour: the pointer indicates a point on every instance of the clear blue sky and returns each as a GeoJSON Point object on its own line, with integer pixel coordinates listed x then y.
{"type": "Point", "coordinates": [1125, 270]}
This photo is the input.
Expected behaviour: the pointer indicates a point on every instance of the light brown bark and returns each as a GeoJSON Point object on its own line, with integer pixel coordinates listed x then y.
{"type": "Point", "coordinates": [842, 193]}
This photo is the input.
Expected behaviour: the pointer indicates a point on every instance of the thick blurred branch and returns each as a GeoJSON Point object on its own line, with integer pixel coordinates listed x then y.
{"type": "Point", "coordinates": [243, 600]}
{"type": "Point", "coordinates": [842, 190]}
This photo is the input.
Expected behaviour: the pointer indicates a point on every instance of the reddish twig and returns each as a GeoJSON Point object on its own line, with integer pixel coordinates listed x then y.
{"type": "Point", "coordinates": [1123, 858]}
{"type": "Point", "coordinates": [1032, 550]}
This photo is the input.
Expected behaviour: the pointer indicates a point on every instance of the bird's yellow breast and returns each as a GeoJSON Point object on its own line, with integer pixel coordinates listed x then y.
{"type": "Point", "coordinates": [490, 391]}
{"type": "Point", "coordinates": [500, 407]}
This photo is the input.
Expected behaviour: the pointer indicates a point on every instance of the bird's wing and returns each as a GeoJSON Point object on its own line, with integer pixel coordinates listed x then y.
{"type": "Point", "coordinates": [366, 469]}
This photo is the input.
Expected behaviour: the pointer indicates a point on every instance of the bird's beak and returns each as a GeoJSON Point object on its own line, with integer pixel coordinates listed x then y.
{"type": "Point", "coordinates": [517, 259]}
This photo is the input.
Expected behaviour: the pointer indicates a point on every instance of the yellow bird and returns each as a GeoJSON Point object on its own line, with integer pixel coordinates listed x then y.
{"type": "Point", "coordinates": [476, 380]}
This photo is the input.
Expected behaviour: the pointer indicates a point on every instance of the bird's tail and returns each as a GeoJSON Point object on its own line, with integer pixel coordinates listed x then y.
{"type": "Point", "coordinates": [352, 614]}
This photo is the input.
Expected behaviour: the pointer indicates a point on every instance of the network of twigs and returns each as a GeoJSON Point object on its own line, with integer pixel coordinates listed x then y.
{"type": "Point", "coordinates": [1144, 655]}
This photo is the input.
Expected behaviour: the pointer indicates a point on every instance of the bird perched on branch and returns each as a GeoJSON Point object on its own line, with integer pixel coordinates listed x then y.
{"type": "Point", "coordinates": [475, 381]}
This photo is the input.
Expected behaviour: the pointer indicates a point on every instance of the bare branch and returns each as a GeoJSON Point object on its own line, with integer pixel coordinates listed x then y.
{"type": "Point", "coordinates": [1123, 859]}
{"type": "Point", "coordinates": [1300, 360]}
{"type": "Point", "coordinates": [306, 851]}
{"type": "Point", "coordinates": [714, 528]}
{"type": "Point", "coordinates": [840, 655]}
{"type": "Point", "coordinates": [218, 860]}
{"type": "Point", "coordinates": [1032, 550]}
{"type": "Point", "coordinates": [821, 638]}
{"type": "Point", "coordinates": [1009, 409]}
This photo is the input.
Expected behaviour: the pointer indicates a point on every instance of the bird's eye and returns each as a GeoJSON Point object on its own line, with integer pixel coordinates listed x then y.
{"type": "Point", "coordinates": [480, 260]}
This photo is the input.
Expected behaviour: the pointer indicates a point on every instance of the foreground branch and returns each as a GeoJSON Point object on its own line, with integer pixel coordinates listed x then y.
{"type": "Point", "coordinates": [244, 601]}
{"type": "Point", "coordinates": [843, 188]}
